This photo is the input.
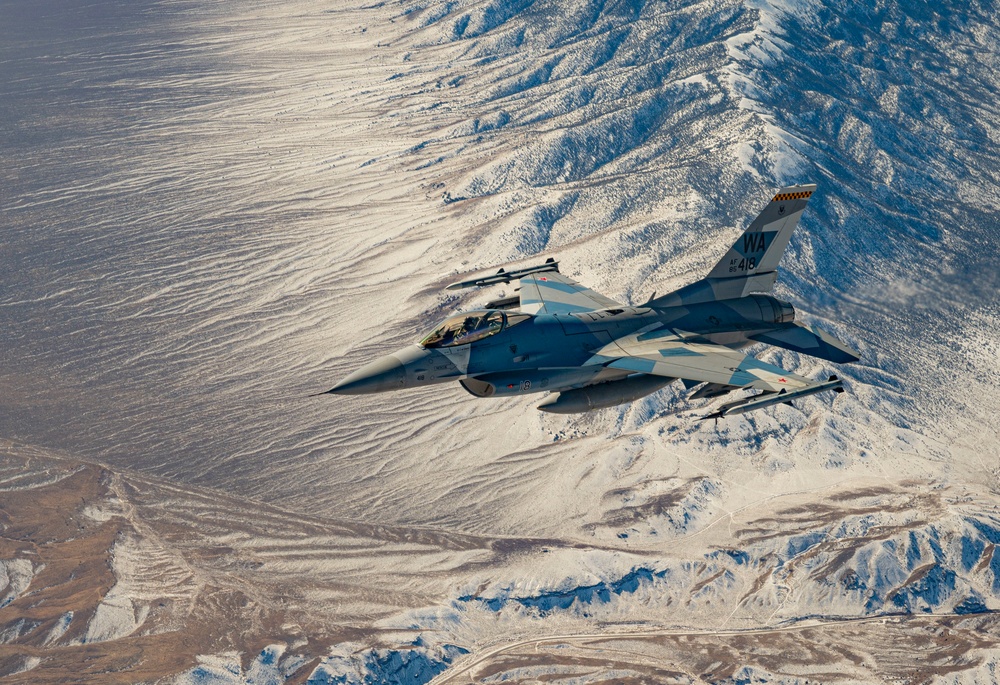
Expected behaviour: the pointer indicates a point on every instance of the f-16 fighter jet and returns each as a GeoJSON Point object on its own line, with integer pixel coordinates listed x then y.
{"type": "Point", "coordinates": [588, 351]}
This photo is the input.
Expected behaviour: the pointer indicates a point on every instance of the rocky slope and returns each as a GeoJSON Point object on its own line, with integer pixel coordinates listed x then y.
{"type": "Point", "coordinates": [213, 210]}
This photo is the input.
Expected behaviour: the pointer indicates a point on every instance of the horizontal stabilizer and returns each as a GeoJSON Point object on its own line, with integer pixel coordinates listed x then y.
{"type": "Point", "coordinates": [503, 276]}
{"type": "Point", "coordinates": [811, 341]}
{"type": "Point", "coordinates": [769, 399]}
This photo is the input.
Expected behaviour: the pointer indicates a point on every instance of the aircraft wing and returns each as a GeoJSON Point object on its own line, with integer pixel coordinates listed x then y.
{"type": "Point", "coordinates": [543, 290]}
{"type": "Point", "coordinates": [553, 293]}
{"type": "Point", "coordinates": [674, 355]}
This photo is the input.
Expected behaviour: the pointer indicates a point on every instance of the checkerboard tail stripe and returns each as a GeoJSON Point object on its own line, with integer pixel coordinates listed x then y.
{"type": "Point", "coordinates": [791, 196]}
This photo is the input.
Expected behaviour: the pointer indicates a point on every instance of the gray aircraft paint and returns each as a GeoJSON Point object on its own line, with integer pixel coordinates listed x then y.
{"type": "Point", "coordinates": [564, 338]}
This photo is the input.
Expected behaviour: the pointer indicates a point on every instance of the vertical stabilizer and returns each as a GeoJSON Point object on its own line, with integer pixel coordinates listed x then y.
{"type": "Point", "coordinates": [750, 265]}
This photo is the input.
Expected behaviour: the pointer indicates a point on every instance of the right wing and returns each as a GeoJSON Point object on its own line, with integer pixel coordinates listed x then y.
{"type": "Point", "coordinates": [544, 290]}
{"type": "Point", "coordinates": [553, 293]}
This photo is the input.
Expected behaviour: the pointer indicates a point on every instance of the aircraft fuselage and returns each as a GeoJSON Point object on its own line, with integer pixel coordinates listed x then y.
{"type": "Point", "coordinates": [557, 352]}
{"type": "Point", "coordinates": [591, 351]}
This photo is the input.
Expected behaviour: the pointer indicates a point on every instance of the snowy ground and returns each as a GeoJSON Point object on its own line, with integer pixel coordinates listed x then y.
{"type": "Point", "coordinates": [211, 210]}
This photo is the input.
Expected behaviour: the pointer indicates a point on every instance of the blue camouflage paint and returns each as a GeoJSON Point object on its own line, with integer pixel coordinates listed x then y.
{"type": "Point", "coordinates": [679, 352]}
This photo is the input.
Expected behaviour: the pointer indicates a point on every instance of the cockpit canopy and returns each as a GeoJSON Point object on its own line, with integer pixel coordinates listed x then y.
{"type": "Point", "coordinates": [465, 328]}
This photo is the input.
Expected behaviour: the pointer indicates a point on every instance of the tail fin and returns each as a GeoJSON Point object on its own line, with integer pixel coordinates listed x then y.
{"type": "Point", "coordinates": [751, 264]}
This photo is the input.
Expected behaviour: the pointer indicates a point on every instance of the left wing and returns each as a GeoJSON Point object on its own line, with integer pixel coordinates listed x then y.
{"type": "Point", "coordinates": [675, 354]}
{"type": "Point", "coordinates": [672, 355]}
{"type": "Point", "coordinates": [553, 293]}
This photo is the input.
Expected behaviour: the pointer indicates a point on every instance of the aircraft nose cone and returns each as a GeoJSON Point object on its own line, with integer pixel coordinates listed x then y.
{"type": "Point", "coordinates": [385, 374]}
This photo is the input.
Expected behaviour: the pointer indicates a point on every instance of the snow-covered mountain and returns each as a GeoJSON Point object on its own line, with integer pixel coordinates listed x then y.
{"type": "Point", "coordinates": [212, 210]}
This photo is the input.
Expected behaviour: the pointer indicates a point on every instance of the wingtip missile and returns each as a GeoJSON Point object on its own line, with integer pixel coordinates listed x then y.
{"type": "Point", "coordinates": [769, 399]}
{"type": "Point", "coordinates": [503, 276]}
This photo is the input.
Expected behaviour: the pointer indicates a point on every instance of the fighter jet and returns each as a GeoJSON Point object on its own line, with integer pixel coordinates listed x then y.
{"type": "Point", "coordinates": [589, 352]}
